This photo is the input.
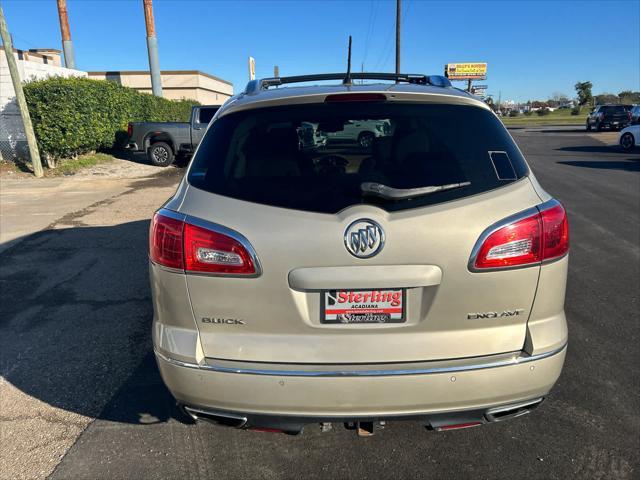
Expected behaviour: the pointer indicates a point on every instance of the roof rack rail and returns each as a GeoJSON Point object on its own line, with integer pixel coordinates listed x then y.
{"type": "Point", "coordinates": [254, 86]}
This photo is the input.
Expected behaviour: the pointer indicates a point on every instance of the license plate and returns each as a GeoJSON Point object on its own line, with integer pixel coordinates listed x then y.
{"type": "Point", "coordinates": [363, 306]}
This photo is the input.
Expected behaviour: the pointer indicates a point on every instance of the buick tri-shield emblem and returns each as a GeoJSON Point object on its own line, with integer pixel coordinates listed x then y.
{"type": "Point", "coordinates": [364, 238]}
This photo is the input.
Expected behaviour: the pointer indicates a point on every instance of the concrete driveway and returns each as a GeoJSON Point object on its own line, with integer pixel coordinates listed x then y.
{"type": "Point", "coordinates": [29, 204]}
{"type": "Point", "coordinates": [74, 307]}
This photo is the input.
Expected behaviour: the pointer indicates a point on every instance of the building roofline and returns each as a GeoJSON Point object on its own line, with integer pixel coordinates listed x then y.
{"type": "Point", "coordinates": [39, 50]}
{"type": "Point", "coordinates": [162, 72]}
{"type": "Point", "coordinates": [36, 52]}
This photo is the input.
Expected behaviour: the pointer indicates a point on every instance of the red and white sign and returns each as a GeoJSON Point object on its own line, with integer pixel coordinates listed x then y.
{"type": "Point", "coordinates": [363, 306]}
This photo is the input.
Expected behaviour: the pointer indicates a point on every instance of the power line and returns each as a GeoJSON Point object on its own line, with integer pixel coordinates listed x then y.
{"type": "Point", "coordinates": [387, 46]}
{"type": "Point", "coordinates": [385, 54]}
{"type": "Point", "coordinates": [24, 40]}
{"type": "Point", "coordinates": [373, 13]}
{"type": "Point", "coordinates": [403, 16]}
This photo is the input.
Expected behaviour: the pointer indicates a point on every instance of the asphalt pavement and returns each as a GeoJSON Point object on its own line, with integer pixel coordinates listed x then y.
{"type": "Point", "coordinates": [75, 316]}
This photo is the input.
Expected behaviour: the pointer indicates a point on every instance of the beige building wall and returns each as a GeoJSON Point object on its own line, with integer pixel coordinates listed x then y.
{"type": "Point", "coordinates": [176, 84]}
{"type": "Point", "coordinates": [44, 56]}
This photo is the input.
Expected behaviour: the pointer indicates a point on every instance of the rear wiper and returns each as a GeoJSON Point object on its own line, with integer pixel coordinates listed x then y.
{"type": "Point", "coordinates": [390, 193]}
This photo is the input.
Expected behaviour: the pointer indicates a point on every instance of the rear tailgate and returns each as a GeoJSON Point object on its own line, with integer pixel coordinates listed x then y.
{"type": "Point", "coordinates": [426, 253]}
{"type": "Point", "coordinates": [295, 206]}
{"type": "Point", "coordinates": [616, 115]}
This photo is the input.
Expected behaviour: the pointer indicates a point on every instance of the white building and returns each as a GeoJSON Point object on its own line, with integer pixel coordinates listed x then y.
{"type": "Point", "coordinates": [32, 65]}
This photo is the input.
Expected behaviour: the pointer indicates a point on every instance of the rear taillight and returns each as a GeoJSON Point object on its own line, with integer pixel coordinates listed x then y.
{"type": "Point", "coordinates": [555, 226]}
{"type": "Point", "coordinates": [181, 245]}
{"type": "Point", "coordinates": [214, 252]}
{"type": "Point", "coordinates": [542, 235]}
{"type": "Point", "coordinates": [129, 130]}
{"type": "Point", "coordinates": [165, 242]}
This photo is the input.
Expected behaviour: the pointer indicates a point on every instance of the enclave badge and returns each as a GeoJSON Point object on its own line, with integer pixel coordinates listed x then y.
{"type": "Point", "coordinates": [506, 313]}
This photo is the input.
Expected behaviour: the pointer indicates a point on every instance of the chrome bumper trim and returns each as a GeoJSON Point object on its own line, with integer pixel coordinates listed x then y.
{"type": "Point", "coordinates": [521, 358]}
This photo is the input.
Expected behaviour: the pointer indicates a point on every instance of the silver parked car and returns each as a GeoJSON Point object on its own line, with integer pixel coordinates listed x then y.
{"type": "Point", "coordinates": [421, 276]}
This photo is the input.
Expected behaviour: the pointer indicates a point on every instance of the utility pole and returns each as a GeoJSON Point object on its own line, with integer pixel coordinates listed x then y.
{"type": "Point", "coordinates": [152, 48]}
{"type": "Point", "coordinates": [67, 45]}
{"type": "Point", "coordinates": [22, 103]}
{"type": "Point", "coordinates": [398, 19]}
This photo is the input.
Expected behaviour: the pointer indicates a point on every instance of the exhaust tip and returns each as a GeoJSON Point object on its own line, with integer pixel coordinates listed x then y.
{"type": "Point", "coordinates": [219, 418]}
{"type": "Point", "coordinates": [507, 412]}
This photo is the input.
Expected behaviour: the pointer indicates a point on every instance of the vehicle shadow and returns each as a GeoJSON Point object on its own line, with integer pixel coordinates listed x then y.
{"type": "Point", "coordinates": [630, 165]}
{"type": "Point", "coordinates": [594, 149]}
{"type": "Point", "coordinates": [564, 130]}
{"type": "Point", "coordinates": [135, 157]}
{"type": "Point", "coordinates": [75, 323]}
{"type": "Point", "coordinates": [180, 161]}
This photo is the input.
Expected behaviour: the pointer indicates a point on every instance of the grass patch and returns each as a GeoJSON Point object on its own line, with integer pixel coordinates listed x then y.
{"type": "Point", "coordinates": [557, 117]}
{"type": "Point", "coordinates": [74, 165]}
{"type": "Point", "coordinates": [65, 166]}
{"type": "Point", "coordinates": [12, 167]}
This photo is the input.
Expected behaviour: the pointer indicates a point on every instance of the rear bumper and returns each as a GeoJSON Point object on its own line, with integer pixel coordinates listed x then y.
{"type": "Point", "coordinates": [348, 396]}
{"type": "Point", "coordinates": [132, 146]}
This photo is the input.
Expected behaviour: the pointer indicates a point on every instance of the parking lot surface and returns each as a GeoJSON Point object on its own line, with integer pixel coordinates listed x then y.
{"type": "Point", "coordinates": [80, 388]}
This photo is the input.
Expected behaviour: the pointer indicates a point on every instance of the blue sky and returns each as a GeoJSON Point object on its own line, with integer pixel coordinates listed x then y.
{"type": "Point", "coordinates": [534, 49]}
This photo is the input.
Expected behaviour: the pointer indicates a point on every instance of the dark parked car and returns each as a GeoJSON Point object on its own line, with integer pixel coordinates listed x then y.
{"type": "Point", "coordinates": [162, 141]}
{"type": "Point", "coordinates": [615, 117]}
{"type": "Point", "coordinates": [635, 115]}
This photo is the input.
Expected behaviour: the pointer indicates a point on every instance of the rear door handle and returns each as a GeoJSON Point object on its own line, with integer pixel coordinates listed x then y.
{"type": "Point", "coordinates": [373, 276]}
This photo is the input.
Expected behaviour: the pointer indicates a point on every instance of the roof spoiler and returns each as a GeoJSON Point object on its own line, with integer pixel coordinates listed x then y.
{"type": "Point", "coordinates": [255, 86]}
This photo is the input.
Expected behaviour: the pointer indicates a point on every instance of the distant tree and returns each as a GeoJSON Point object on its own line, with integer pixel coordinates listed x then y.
{"type": "Point", "coordinates": [627, 96]}
{"type": "Point", "coordinates": [583, 89]}
{"type": "Point", "coordinates": [559, 98]}
{"type": "Point", "coordinates": [607, 98]}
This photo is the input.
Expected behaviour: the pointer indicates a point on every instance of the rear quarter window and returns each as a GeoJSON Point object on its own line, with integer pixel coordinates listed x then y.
{"type": "Point", "coordinates": [206, 114]}
{"type": "Point", "coordinates": [315, 157]}
{"type": "Point", "coordinates": [614, 109]}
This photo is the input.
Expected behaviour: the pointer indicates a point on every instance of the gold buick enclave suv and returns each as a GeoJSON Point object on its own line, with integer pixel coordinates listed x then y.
{"type": "Point", "coordinates": [418, 275]}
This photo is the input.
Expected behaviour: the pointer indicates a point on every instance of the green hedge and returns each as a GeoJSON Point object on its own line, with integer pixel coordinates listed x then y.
{"type": "Point", "coordinates": [72, 116]}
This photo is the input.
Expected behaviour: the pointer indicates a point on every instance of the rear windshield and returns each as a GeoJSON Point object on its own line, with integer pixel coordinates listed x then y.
{"type": "Point", "coordinates": [315, 157]}
{"type": "Point", "coordinates": [614, 109]}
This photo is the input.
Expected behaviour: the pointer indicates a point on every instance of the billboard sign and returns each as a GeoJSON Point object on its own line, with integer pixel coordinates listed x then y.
{"type": "Point", "coordinates": [465, 71]}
